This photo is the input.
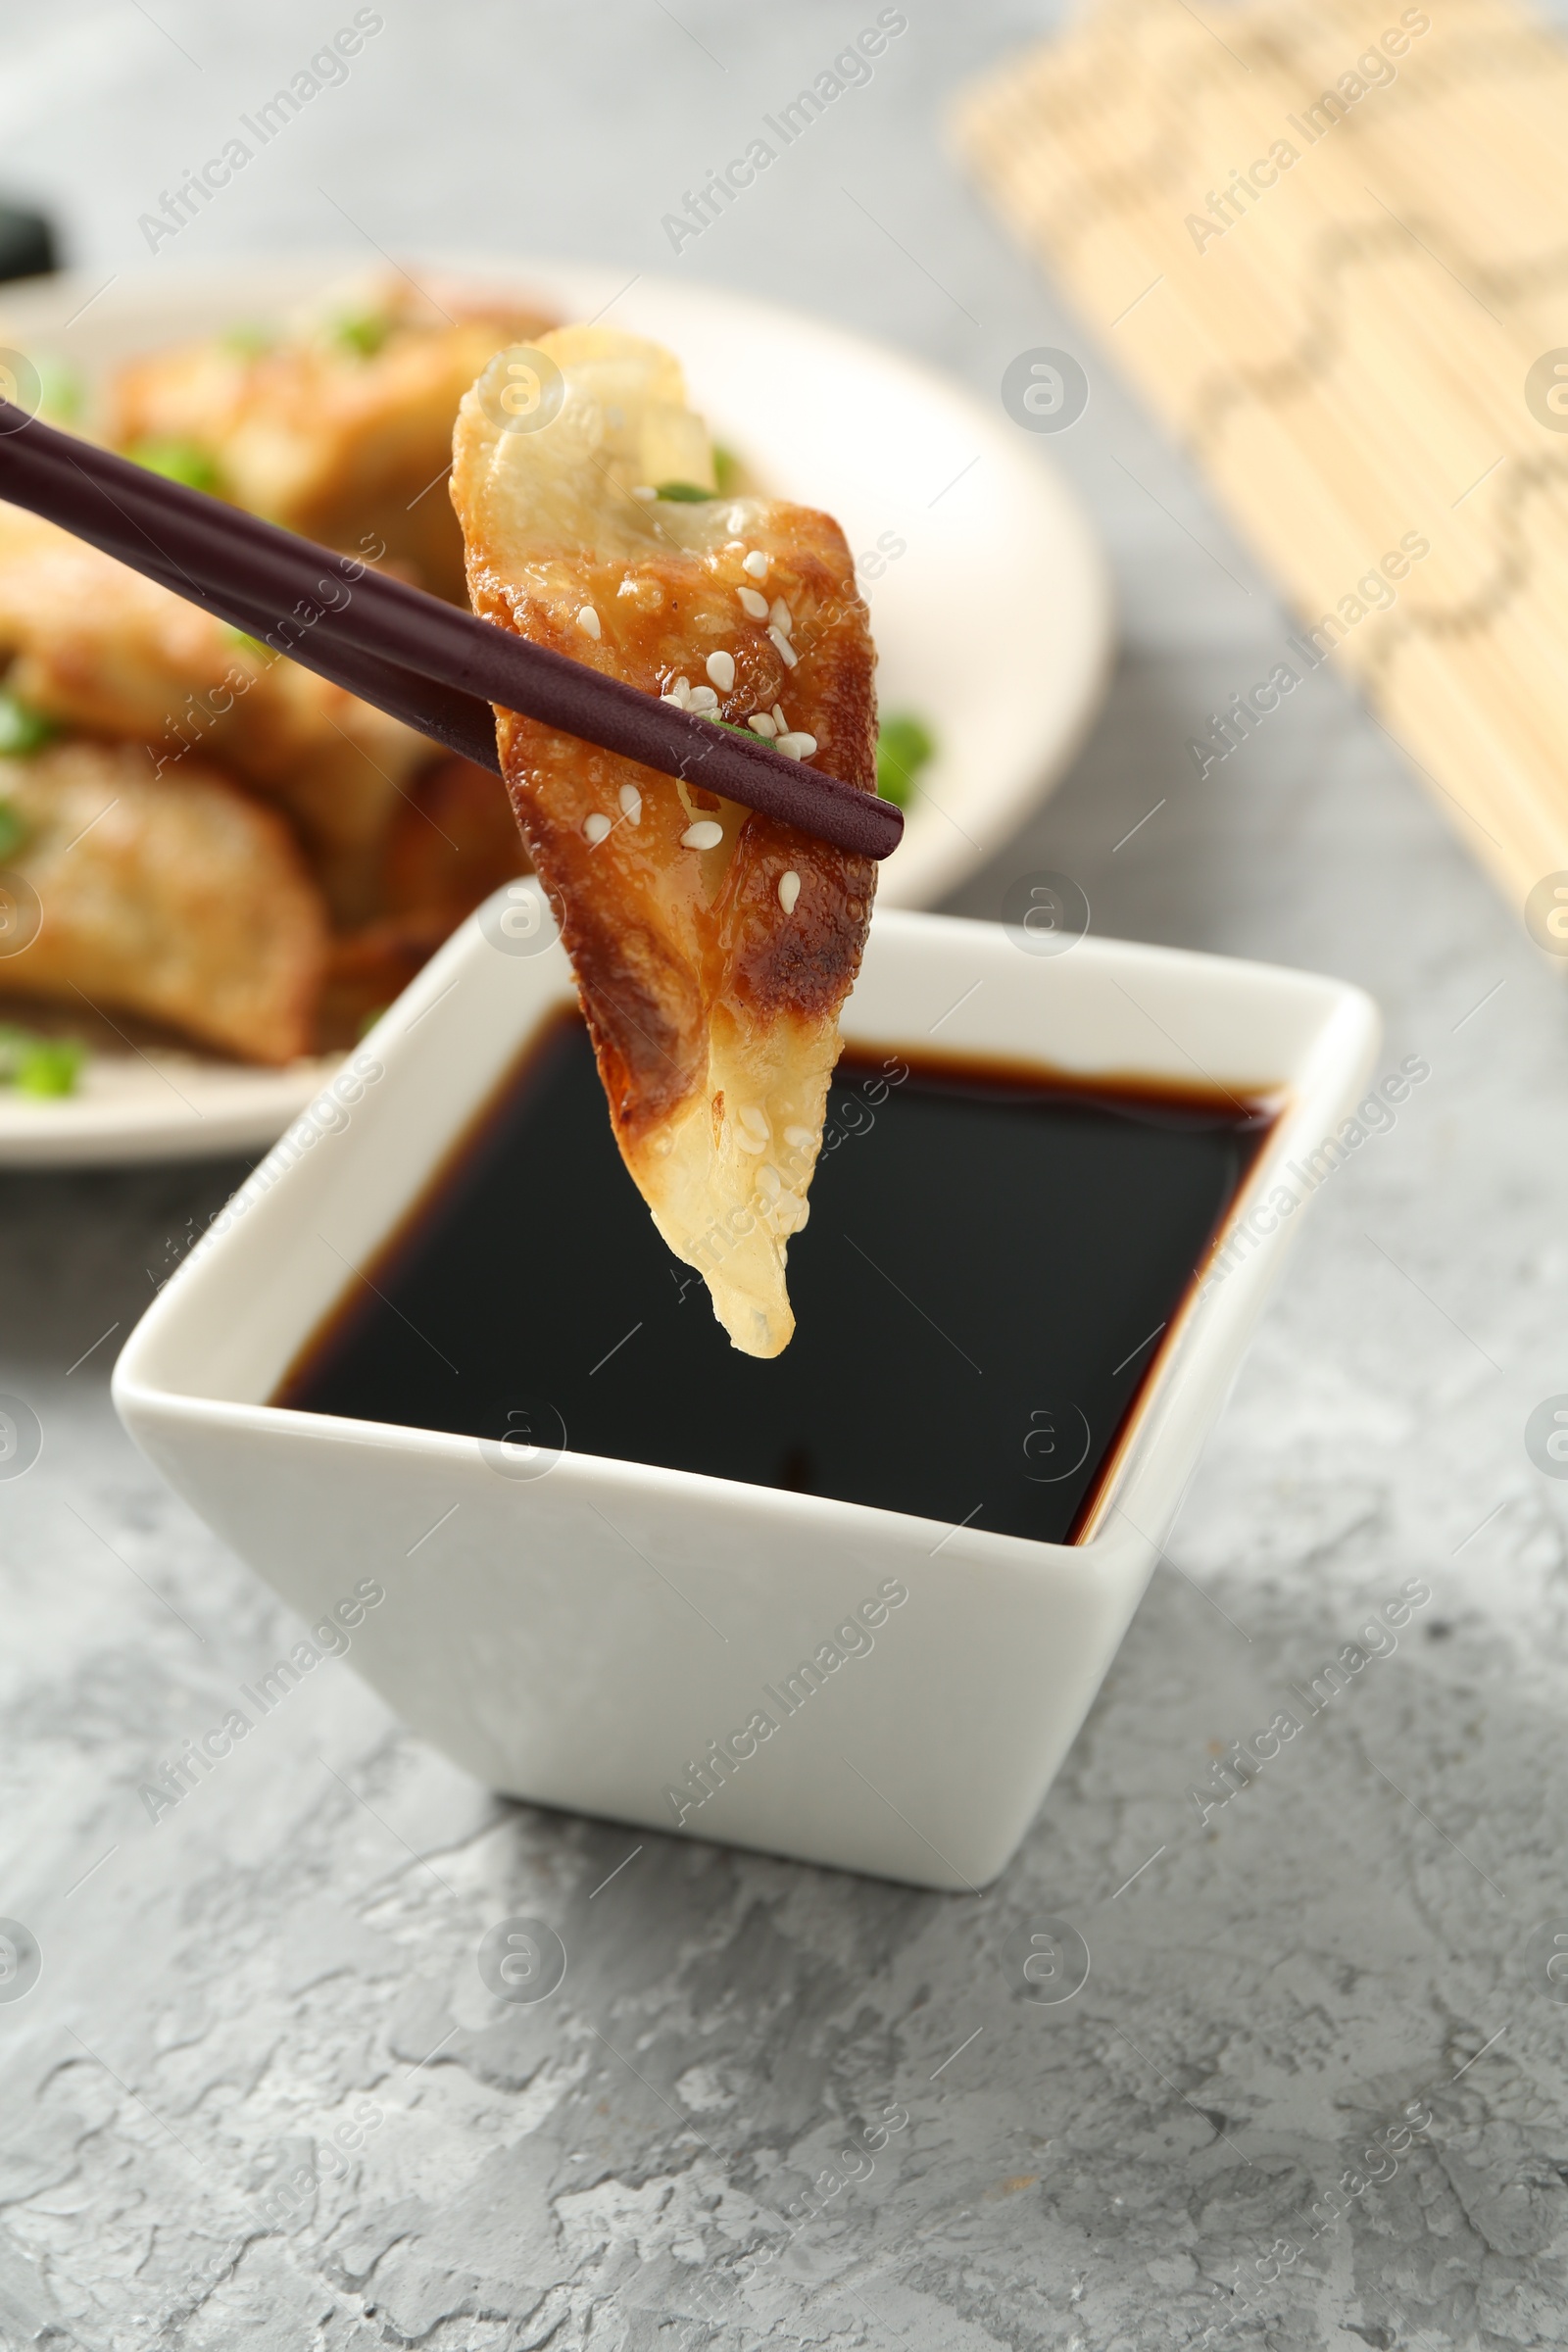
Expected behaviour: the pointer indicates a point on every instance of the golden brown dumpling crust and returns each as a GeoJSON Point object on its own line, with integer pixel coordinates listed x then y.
{"type": "Point", "coordinates": [732, 946]}
{"type": "Point", "coordinates": [184, 902]}
{"type": "Point", "coordinates": [712, 945]}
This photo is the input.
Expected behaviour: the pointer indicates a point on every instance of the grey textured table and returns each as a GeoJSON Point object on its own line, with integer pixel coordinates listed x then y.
{"type": "Point", "coordinates": [295, 1947]}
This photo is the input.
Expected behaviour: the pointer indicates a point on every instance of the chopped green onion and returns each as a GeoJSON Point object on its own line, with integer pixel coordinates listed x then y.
{"type": "Point", "coordinates": [60, 390]}
{"type": "Point", "coordinates": [51, 1066]}
{"type": "Point", "coordinates": [363, 332]}
{"type": "Point", "coordinates": [250, 644]}
{"type": "Point", "coordinates": [22, 728]}
{"type": "Point", "coordinates": [40, 1065]}
{"type": "Point", "coordinates": [247, 342]}
{"type": "Point", "coordinates": [13, 832]}
{"type": "Point", "coordinates": [904, 746]}
{"type": "Point", "coordinates": [685, 494]}
{"type": "Point", "coordinates": [726, 468]}
{"type": "Point", "coordinates": [177, 462]}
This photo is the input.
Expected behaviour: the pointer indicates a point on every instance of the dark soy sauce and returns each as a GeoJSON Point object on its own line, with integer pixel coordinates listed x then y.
{"type": "Point", "coordinates": [992, 1258]}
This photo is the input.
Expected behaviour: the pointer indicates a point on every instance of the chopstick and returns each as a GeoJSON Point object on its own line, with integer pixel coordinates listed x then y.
{"type": "Point", "coordinates": [435, 667]}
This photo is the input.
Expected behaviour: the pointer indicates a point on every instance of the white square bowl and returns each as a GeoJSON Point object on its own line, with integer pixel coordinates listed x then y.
{"type": "Point", "coordinates": [546, 1639]}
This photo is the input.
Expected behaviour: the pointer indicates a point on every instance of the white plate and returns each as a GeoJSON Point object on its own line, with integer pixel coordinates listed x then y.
{"type": "Point", "coordinates": [993, 621]}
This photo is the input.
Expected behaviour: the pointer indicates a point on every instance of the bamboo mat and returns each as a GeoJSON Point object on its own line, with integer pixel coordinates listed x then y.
{"type": "Point", "coordinates": [1343, 337]}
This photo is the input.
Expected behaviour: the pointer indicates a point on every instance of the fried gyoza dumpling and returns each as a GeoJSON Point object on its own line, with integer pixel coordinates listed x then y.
{"type": "Point", "coordinates": [342, 428]}
{"type": "Point", "coordinates": [98, 647]}
{"type": "Point", "coordinates": [713, 946]}
{"type": "Point", "coordinates": [183, 900]}
{"type": "Point", "coordinates": [452, 841]}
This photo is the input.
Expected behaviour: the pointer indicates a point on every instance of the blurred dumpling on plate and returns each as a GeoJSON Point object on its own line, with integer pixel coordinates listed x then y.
{"type": "Point", "coordinates": [340, 425]}
{"type": "Point", "coordinates": [185, 903]}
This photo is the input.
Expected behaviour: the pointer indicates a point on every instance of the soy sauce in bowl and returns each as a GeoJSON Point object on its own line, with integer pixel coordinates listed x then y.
{"type": "Point", "coordinates": [994, 1259]}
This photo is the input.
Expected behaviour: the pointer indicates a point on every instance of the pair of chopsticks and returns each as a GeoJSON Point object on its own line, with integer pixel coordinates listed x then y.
{"type": "Point", "coordinates": [435, 667]}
